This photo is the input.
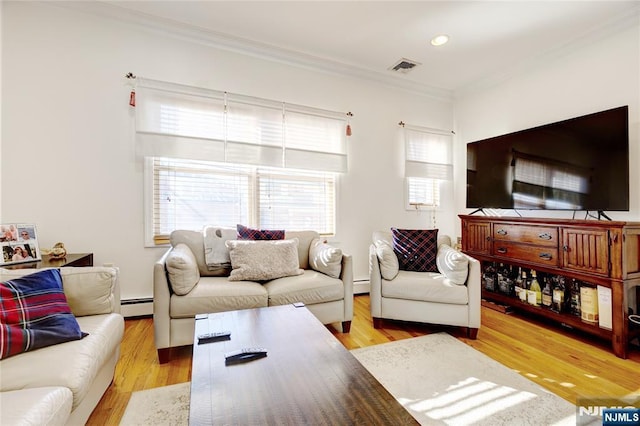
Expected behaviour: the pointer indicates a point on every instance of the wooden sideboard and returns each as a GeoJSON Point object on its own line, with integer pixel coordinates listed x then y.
{"type": "Point", "coordinates": [604, 253]}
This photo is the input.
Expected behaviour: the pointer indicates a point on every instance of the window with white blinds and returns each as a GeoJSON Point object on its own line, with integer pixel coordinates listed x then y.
{"type": "Point", "coordinates": [190, 194]}
{"type": "Point", "coordinates": [428, 162]}
{"type": "Point", "coordinates": [216, 158]}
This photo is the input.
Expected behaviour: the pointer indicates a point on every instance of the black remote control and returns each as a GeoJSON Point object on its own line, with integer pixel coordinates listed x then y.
{"type": "Point", "coordinates": [244, 355]}
{"type": "Point", "coordinates": [214, 337]}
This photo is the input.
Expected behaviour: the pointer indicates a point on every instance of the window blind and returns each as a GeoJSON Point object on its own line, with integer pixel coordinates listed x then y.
{"type": "Point", "coordinates": [200, 124]}
{"type": "Point", "coordinates": [428, 154]}
{"type": "Point", "coordinates": [428, 162]}
{"type": "Point", "coordinates": [189, 194]}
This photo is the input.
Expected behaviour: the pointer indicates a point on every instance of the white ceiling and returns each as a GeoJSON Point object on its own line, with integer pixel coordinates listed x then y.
{"type": "Point", "coordinates": [488, 39]}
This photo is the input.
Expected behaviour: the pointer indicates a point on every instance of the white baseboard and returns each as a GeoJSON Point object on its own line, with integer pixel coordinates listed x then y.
{"type": "Point", "coordinates": [136, 307]}
{"type": "Point", "coordinates": [361, 287]}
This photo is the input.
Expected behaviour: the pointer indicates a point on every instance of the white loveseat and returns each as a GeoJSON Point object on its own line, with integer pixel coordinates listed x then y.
{"type": "Point", "coordinates": [428, 297]}
{"type": "Point", "coordinates": [63, 383]}
{"type": "Point", "coordinates": [330, 299]}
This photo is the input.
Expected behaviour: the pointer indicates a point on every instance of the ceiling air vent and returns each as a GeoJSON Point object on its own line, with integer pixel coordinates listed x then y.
{"type": "Point", "coordinates": [404, 65]}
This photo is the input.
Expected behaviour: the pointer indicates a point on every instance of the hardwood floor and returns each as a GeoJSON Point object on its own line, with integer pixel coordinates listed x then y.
{"type": "Point", "coordinates": [564, 362]}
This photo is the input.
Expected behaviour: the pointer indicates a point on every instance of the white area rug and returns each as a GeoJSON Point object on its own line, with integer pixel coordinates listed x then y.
{"type": "Point", "coordinates": [437, 378]}
{"type": "Point", "coordinates": [167, 405]}
{"type": "Point", "coordinates": [441, 380]}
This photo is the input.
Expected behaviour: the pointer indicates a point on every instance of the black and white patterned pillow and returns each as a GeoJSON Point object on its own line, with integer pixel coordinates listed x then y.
{"type": "Point", "coordinates": [416, 249]}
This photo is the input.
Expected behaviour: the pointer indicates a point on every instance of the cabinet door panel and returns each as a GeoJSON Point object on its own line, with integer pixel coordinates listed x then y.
{"type": "Point", "coordinates": [586, 250]}
{"type": "Point", "coordinates": [477, 238]}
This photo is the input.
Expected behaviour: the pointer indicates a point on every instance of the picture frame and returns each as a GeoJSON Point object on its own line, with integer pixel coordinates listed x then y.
{"type": "Point", "coordinates": [19, 243]}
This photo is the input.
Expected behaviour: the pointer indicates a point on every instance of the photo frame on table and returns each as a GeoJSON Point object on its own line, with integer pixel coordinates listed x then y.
{"type": "Point", "coordinates": [19, 243]}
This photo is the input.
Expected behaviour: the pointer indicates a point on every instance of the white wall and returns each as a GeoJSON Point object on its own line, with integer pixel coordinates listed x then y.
{"type": "Point", "coordinates": [69, 165]}
{"type": "Point", "coordinates": [604, 75]}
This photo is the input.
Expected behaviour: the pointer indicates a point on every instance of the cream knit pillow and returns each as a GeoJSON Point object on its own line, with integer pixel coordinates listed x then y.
{"type": "Point", "coordinates": [263, 260]}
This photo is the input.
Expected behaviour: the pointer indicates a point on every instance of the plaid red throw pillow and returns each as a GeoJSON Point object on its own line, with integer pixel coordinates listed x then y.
{"type": "Point", "coordinates": [245, 233]}
{"type": "Point", "coordinates": [34, 313]}
{"type": "Point", "coordinates": [416, 249]}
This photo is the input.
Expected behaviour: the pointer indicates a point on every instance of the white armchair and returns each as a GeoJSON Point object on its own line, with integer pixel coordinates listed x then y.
{"type": "Point", "coordinates": [428, 297]}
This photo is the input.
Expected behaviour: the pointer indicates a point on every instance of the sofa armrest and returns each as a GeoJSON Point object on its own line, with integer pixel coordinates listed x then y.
{"type": "Point", "coordinates": [161, 302]}
{"type": "Point", "coordinates": [375, 283]}
{"type": "Point", "coordinates": [91, 290]}
{"type": "Point", "coordinates": [474, 288]}
{"type": "Point", "coordinates": [346, 275]}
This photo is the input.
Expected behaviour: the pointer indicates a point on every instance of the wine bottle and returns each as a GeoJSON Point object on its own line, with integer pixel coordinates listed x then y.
{"type": "Point", "coordinates": [557, 304]}
{"type": "Point", "coordinates": [534, 296]}
{"type": "Point", "coordinates": [525, 286]}
{"type": "Point", "coordinates": [547, 293]}
{"type": "Point", "coordinates": [519, 283]}
{"type": "Point", "coordinates": [489, 277]}
{"type": "Point", "coordinates": [575, 297]}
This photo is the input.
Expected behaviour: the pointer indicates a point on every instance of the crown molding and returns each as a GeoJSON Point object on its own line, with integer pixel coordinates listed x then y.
{"type": "Point", "coordinates": [622, 22]}
{"type": "Point", "coordinates": [172, 28]}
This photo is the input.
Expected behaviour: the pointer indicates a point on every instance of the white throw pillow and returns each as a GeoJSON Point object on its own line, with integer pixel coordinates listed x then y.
{"type": "Point", "coordinates": [387, 259]}
{"type": "Point", "coordinates": [263, 260]}
{"type": "Point", "coordinates": [452, 264]}
{"type": "Point", "coordinates": [325, 258]}
{"type": "Point", "coordinates": [182, 269]}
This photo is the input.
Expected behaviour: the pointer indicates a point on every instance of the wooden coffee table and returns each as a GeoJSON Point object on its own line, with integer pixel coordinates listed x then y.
{"type": "Point", "coordinates": [307, 378]}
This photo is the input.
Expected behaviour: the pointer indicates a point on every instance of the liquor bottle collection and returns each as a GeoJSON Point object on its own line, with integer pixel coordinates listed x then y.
{"type": "Point", "coordinates": [549, 291]}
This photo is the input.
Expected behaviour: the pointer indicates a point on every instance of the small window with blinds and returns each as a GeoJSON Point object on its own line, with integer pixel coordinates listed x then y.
{"type": "Point", "coordinates": [428, 162]}
{"type": "Point", "coordinates": [190, 194]}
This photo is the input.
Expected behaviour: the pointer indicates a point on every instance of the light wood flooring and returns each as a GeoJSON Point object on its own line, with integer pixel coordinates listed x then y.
{"type": "Point", "coordinates": [566, 363]}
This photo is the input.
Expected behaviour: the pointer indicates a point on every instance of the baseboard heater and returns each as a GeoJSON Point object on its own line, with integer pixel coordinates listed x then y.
{"type": "Point", "coordinates": [136, 307]}
{"type": "Point", "coordinates": [361, 286]}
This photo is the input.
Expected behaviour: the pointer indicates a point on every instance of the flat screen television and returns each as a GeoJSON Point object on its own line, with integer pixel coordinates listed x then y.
{"type": "Point", "coordinates": [577, 164]}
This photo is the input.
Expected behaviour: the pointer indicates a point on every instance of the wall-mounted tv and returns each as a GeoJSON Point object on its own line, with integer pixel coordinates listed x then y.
{"type": "Point", "coordinates": [576, 164]}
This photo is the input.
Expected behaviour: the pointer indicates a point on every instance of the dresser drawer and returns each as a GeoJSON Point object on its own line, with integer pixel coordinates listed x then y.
{"type": "Point", "coordinates": [539, 235]}
{"type": "Point", "coordinates": [547, 256]}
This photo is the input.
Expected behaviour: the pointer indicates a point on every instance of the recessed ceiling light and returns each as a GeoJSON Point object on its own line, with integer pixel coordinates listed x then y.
{"type": "Point", "coordinates": [439, 40]}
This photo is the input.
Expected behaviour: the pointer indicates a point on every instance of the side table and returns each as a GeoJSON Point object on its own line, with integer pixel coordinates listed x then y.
{"type": "Point", "coordinates": [71, 259]}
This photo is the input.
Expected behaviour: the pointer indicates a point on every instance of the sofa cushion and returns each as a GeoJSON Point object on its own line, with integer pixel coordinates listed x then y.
{"type": "Point", "coordinates": [182, 269]}
{"type": "Point", "coordinates": [263, 260]}
{"type": "Point", "coordinates": [304, 244]}
{"type": "Point", "coordinates": [310, 288]}
{"type": "Point", "coordinates": [452, 264]}
{"type": "Point", "coordinates": [218, 294]}
{"type": "Point", "coordinates": [325, 258]}
{"type": "Point", "coordinates": [425, 286]}
{"type": "Point", "coordinates": [34, 313]}
{"type": "Point", "coordinates": [246, 233]}
{"type": "Point", "coordinates": [73, 365]}
{"type": "Point", "coordinates": [49, 406]}
{"type": "Point", "coordinates": [416, 249]}
{"type": "Point", "coordinates": [387, 259]}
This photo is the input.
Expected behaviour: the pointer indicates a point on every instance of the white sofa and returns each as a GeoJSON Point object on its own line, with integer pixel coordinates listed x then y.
{"type": "Point", "coordinates": [329, 299]}
{"type": "Point", "coordinates": [428, 297]}
{"type": "Point", "coordinates": [63, 383]}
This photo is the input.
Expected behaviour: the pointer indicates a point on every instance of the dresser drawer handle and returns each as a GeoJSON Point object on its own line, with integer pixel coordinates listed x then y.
{"type": "Point", "coordinates": [545, 236]}
{"type": "Point", "coordinates": [501, 250]}
{"type": "Point", "coordinates": [565, 248]}
{"type": "Point", "coordinates": [501, 232]}
{"type": "Point", "coordinates": [546, 256]}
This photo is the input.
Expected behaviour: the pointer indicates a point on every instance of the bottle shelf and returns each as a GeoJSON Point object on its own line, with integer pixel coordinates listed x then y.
{"type": "Point", "coordinates": [566, 319]}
